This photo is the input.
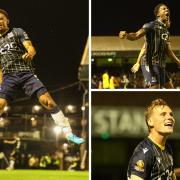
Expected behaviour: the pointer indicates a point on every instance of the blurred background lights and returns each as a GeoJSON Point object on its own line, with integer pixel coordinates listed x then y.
{"type": "Point", "coordinates": [70, 108]}
{"type": "Point", "coordinates": [36, 108]}
{"type": "Point", "coordinates": [57, 130]}
{"type": "Point", "coordinates": [109, 59]}
{"type": "Point", "coordinates": [32, 118]}
{"type": "Point", "coordinates": [6, 108]}
{"type": "Point", "coordinates": [83, 108]}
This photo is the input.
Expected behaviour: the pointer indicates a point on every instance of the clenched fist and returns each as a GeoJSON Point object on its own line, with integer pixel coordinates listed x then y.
{"type": "Point", "coordinates": [123, 34]}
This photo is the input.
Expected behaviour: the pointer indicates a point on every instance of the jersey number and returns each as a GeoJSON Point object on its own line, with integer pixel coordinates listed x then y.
{"type": "Point", "coordinates": [164, 36]}
{"type": "Point", "coordinates": [7, 47]}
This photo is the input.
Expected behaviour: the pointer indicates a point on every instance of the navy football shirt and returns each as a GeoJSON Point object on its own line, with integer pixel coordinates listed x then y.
{"type": "Point", "coordinates": [157, 37]}
{"type": "Point", "coordinates": [11, 51]}
{"type": "Point", "coordinates": [150, 162]}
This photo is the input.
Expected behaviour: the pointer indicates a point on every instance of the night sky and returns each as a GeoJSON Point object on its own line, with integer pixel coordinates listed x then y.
{"type": "Point", "coordinates": [58, 29]}
{"type": "Point", "coordinates": [111, 16]}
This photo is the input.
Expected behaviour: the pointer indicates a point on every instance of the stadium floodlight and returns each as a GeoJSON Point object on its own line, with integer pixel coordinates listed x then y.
{"type": "Point", "coordinates": [109, 59]}
{"type": "Point", "coordinates": [36, 108]}
{"type": "Point", "coordinates": [57, 130]}
{"type": "Point", "coordinates": [83, 108]}
{"type": "Point", "coordinates": [2, 122]}
{"type": "Point", "coordinates": [32, 118]}
{"type": "Point", "coordinates": [65, 145]}
{"type": "Point", "coordinates": [6, 108]}
{"type": "Point", "coordinates": [70, 108]}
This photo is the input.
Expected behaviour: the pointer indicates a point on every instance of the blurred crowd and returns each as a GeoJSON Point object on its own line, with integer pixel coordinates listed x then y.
{"type": "Point", "coordinates": [57, 160]}
{"type": "Point", "coordinates": [128, 80]}
{"type": "Point", "coordinates": [66, 158]}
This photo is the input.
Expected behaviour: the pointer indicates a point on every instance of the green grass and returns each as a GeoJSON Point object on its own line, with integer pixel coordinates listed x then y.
{"type": "Point", "coordinates": [43, 175]}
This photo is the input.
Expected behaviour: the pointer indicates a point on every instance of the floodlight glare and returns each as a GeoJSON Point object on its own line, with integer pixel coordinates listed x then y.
{"type": "Point", "coordinates": [83, 108]}
{"type": "Point", "coordinates": [57, 130]}
{"type": "Point", "coordinates": [6, 108]}
{"type": "Point", "coordinates": [36, 108]}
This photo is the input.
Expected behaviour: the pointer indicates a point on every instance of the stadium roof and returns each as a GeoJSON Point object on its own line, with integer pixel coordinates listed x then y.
{"type": "Point", "coordinates": [114, 43]}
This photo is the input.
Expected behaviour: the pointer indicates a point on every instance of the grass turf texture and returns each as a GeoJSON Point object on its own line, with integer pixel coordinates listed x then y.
{"type": "Point", "coordinates": [43, 175]}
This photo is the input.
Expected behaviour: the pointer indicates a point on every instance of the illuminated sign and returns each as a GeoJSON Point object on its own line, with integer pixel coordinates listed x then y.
{"type": "Point", "coordinates": [109, 121]}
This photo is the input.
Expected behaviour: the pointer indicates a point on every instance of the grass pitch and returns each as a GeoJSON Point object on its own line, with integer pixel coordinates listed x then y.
{"type": "Point", "coordinates": [43, 175]}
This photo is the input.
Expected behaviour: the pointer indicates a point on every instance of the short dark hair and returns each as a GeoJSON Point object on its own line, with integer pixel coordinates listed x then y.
{"type": "Point", "coordinates": [156, 9]}
{"type": "Point", "coordinates": [149, 109]}
{"type": "Point", "coordinates": [4, 12]}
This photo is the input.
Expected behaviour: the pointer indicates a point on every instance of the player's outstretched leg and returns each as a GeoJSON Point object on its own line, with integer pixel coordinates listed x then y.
{"type": "Point", "coordinates": [11, 166]}
{"type": "Point", "coordinates": [11, 162]}
{"type": "Point", "coordinates": [59, 118]}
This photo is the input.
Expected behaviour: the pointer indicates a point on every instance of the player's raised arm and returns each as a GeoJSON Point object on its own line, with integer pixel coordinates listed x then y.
{"type": "Point", "coordinates": [30, 50]}
{"type": "Point", "coordinates": [136, 66]}
{"type": "Point", "coordinates": [171, 54]}
{"type": "Point", "coordinates": [133, 35]}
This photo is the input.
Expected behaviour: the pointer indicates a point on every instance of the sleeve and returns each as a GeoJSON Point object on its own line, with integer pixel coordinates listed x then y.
{"type": "Point", "coordinates": [141, 163]}
{"type": "Point", "coordinates": [23, 36]}
{"type": "Point", "coordinates": [148, 27]}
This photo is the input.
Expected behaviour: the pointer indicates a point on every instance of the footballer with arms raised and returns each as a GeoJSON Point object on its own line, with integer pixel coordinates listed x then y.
{"type": "Point", "coordinates": [16, 55]}
{"type": "Point", "coordinates": [157, 47]}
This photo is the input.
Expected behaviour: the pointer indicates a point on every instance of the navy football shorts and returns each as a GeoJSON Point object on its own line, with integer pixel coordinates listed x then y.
{"type": "Point", "coordinates": [25, 80]}
{"type": "Point", "coordinates": [155, 75]}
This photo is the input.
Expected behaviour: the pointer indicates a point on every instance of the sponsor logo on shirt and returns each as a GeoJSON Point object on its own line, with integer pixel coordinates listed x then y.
{"type": "Point", "coordinates": [145, 150]}
{"type": "Point", "coordinates": [139, 166]}
{"type": "Point", "coordinates": [164, 36]}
